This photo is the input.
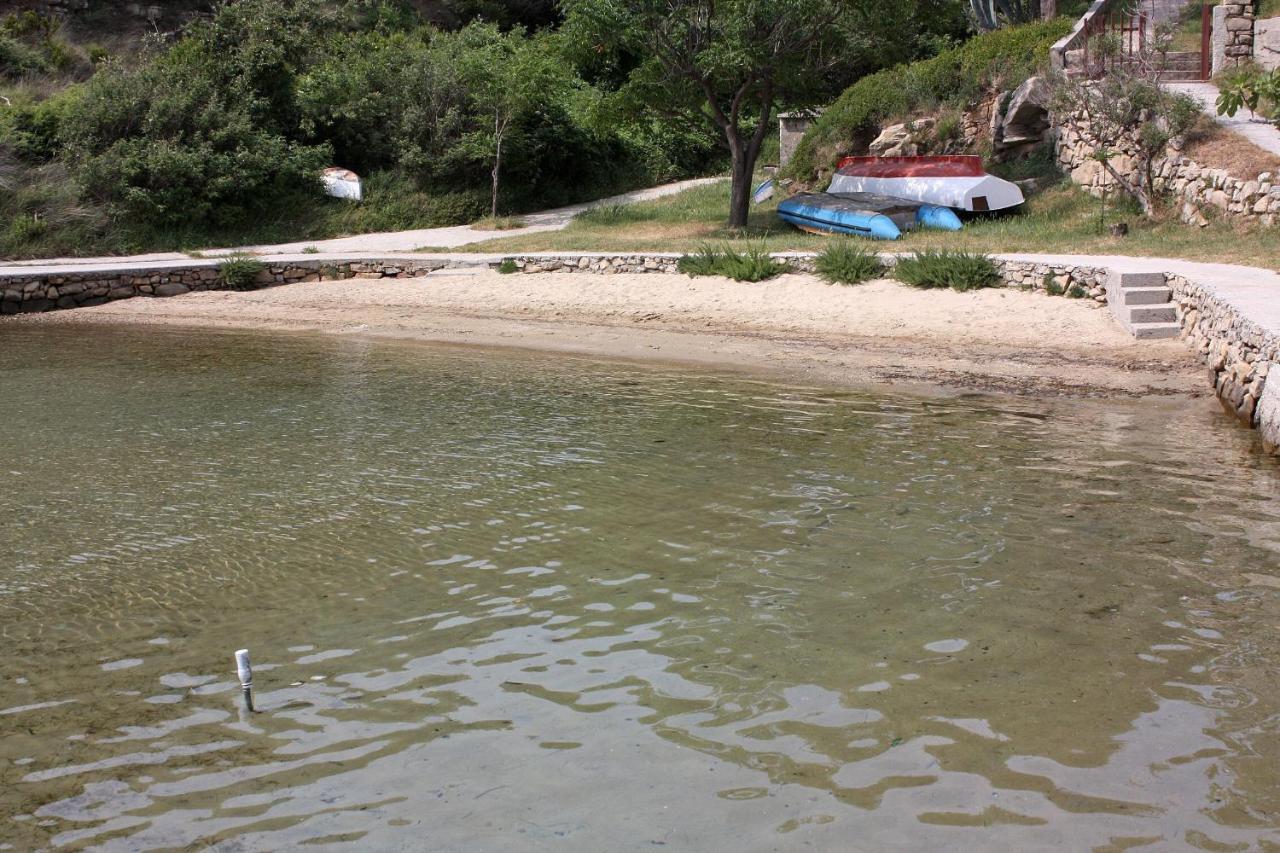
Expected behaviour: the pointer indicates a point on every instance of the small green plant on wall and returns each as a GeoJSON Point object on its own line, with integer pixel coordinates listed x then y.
{"type": "Point", "coordinates": [844, 262]}
{"type": "Point", "coordinates": [959, 271]}
{"type": "Point", "coordinates": [239, 271]}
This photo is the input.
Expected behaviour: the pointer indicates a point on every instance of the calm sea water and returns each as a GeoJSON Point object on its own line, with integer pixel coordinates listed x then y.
{"type": "Point", "coordinates": [509, 601]}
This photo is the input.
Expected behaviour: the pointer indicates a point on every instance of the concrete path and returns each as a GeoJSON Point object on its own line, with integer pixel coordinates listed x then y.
{"type": "Point", "coordinates": [1258, 131]}
{"type": "Point", "coordinates": [399, 241]}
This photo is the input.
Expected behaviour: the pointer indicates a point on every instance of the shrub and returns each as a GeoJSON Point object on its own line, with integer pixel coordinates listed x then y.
{"type": "Point", "coordinates": [954, 77]}
{"type": "Point", "coordinates": [239, 271]}
{"type": "Point", "coordinates": [1051, 285]}
{"type": "Point", "coordinates": [1075, 291]}
{"type": "Point", "coordinates": [508, 266]}
{"type": "Point", "coordinates": [755, 264]}
{"type": "Point", "coordinates": [959, 271]}
{"type": "Point", "coordinates": [847, 263]}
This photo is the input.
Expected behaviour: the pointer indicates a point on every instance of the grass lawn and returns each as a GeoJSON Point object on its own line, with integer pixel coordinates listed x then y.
{"type": "Point", "coordinates": [1061, 219]}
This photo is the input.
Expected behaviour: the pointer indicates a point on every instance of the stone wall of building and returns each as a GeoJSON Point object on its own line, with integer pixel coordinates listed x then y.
{"type": "Point", "coordinates": [1266, 43]}
{"type": "Point", "coordinates": [1233, 34]}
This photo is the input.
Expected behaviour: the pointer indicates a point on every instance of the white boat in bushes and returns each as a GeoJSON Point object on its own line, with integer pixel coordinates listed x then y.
{"type": "Point", "coordinates": [955, 181]}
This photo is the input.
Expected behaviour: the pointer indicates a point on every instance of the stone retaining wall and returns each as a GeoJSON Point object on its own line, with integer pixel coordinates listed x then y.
{"type": "Point", "coordinates": [1080, 281]}
{"type": "Point", "coordinates": [20, 294]}
{"type": "Point", "coordinates": [1237, 352]}
{"type": "Point", "coordinates": [1199, 189]}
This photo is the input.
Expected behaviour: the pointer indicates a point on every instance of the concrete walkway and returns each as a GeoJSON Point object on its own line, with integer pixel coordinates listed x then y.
{"type": "Point", "coordinates": [1260, 132]}
{"type": "Point", "coordinates": [393, 241]}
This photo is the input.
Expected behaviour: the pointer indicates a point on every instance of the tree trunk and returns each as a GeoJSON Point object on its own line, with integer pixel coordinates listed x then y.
{"type": "Point", "coordinates": [740, 187]}
{"type": "Point", "coordinates": [497, 166]}
{"type": "Point", "coordinates": [1135, 190]}
{"type": "Point", "coordinates": [1048, 9]}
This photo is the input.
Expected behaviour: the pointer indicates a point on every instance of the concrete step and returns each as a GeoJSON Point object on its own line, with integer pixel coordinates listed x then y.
{"type": "Point", "coordinates": [1181, 76]}
{"type": "Point", "coordinates": [1155, 331]}
{"type": "Point", "coordinates": [1145, 295]}
{"type": "Point", "coordinates": [1152, 314]}
{"type": "Point", "coordinates": [1136, 279]}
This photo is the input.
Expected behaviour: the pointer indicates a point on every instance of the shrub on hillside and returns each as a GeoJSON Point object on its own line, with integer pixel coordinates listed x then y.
{"type": "Point", "coordinates": [954, 77]}
{"type": "Point", "coordinates": [755, 264]}
{"type": "Point", "coordinates": [844, 262]}
{"type": "Point", "coordinates": [959, 271]}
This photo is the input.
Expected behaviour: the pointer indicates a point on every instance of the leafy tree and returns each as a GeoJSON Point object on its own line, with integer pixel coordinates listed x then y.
{"type": "Point", "coordinates": [1128, 116]}
{"type": "Point", "coordinates": [507, 76]}
{"type": "Point", "coordinates": [730, 63]}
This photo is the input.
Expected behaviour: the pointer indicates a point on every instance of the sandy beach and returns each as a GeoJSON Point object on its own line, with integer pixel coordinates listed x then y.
{"type": "Point", "coordinates": [881, 332]}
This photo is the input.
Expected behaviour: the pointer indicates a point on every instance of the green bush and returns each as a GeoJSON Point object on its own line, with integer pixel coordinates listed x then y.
{"type": "Point", "coordinates": [240, 271]}
{"type": "Point", "coordinates": [1051, 285]}
{"type": "Point", "coordinates": [755, 264]}
{"type": "Point", "coordinates": [508, 266]}
{"type": "Point", "coordinates": [845, 262]}
{"type": "Point", "coordinates": [954, 77]}
{"type": "Point", "coordinates": [959, 271]}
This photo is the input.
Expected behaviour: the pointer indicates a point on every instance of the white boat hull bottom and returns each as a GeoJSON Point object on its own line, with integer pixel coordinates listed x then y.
{"type": "Point", "coordinates": [978, 194]}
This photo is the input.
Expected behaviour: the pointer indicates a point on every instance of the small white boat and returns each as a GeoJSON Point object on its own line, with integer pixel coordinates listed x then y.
{"type": "Point", "coordinates": [341, 183]}
{"type": "Point", "coordinates": [955, 181]}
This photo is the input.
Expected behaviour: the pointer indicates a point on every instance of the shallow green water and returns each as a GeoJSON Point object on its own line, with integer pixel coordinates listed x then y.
{"type": "Point", "coordinates": [506, 601]}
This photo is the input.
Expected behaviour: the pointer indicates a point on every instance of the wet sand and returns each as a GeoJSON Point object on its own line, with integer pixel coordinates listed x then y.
{"type": "Point", "coordinates": [798, 326]}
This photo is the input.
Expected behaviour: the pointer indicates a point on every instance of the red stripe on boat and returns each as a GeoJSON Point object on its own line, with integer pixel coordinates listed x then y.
{"type": "Point", "coordinates": [942, 166]}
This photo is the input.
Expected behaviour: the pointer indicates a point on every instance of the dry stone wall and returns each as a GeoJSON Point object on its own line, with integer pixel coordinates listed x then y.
{"type": "Point", "coordinates": [1201, 192]}
{"type": "Point", "coordinates": [1237, 352]}
{"type": "Point", "coordinates": [22, 294]}
{"type": "Point", "coordinates": [1079, 280]}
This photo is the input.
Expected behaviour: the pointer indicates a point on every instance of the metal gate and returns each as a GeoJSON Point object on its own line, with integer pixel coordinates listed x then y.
{"type": "Point", "coordinates": [1120, 35]}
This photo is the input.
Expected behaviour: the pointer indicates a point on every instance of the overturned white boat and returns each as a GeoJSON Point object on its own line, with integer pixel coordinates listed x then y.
{"type": "Point", "coordinates": [955, 181]}
{"type": "Point", "coordinates": [341, 183]}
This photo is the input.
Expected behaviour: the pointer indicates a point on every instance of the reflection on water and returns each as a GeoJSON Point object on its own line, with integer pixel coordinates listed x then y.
{"type": "Point", "coordinates": [508, 601]}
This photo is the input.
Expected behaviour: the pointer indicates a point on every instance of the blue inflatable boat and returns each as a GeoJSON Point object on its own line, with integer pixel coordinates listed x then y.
{"type": "Point", "coordinates": [879, 217]}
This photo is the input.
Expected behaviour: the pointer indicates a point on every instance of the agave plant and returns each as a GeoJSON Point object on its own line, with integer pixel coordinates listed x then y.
{"type": "Point", "coordinates": [991, 13]}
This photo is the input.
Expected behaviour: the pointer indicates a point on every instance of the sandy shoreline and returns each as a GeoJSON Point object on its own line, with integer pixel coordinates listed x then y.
{"type": "Point", "coordinates": [795, 326]}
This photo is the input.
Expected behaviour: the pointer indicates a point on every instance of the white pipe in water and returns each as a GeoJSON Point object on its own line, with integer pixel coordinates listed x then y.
{"type": "Point", "coordinates": [244, 670]}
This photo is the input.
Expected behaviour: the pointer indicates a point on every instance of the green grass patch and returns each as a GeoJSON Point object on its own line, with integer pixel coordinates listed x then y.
{"type": "Point", "coordinates": [754, 264]}
{"type": "Point", "coordinates": [239, 271]}
{"type": "Point", "coordinates": [847, 262]}
{"type": "Point", "coordinates": [959, 271]}
{"type": "Point", "coordinates": [499, 223]}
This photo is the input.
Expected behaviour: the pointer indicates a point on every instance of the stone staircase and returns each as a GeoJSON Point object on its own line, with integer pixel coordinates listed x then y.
{"type": "Point", "coordinates": [1143, 303]}
{"type": "Point", "coordinates": [1181, 67]}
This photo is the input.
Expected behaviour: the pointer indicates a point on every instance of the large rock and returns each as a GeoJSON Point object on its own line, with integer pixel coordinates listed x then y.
{"type": "Point", "coordinates": [1026, 118]}
{"type": "Point", "coordinates": [901, 139]}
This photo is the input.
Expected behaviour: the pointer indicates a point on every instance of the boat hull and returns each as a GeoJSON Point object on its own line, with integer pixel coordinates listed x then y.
{"type": "Point", "coordinates": [863, 214]}
{"type": "Point", "coordinates": [955, 182]}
